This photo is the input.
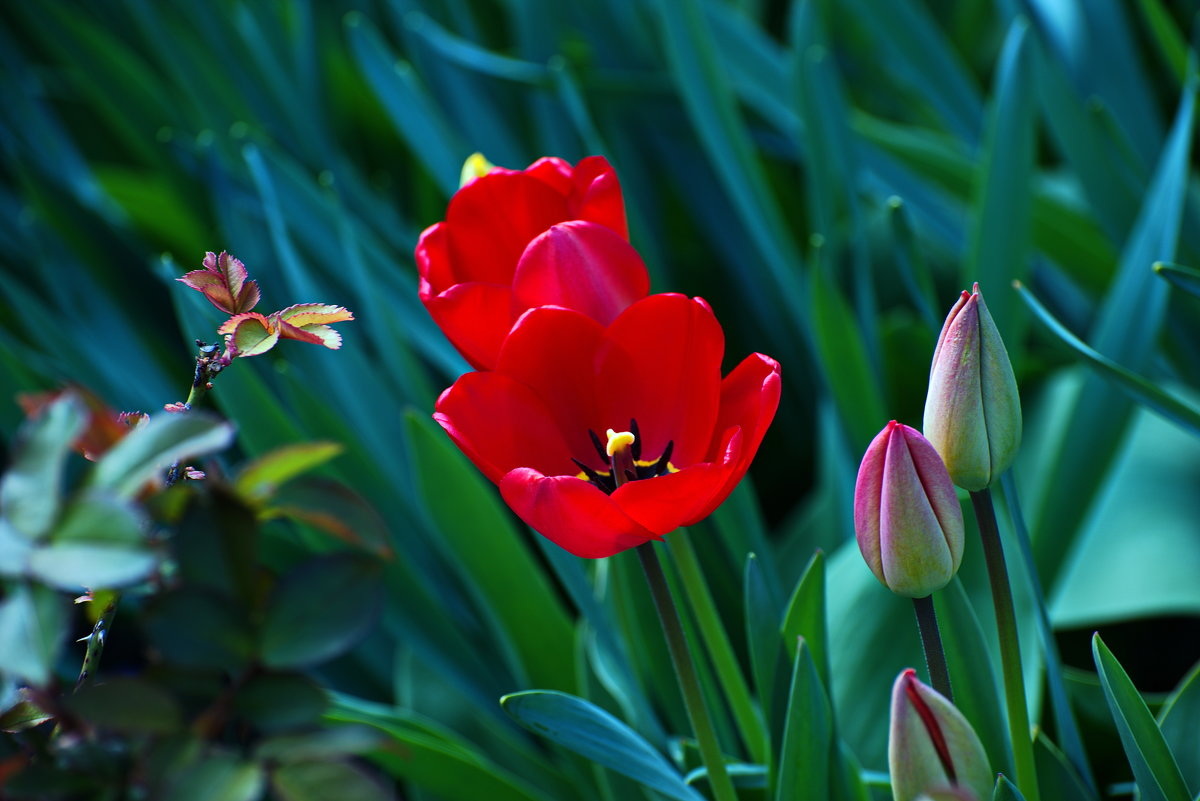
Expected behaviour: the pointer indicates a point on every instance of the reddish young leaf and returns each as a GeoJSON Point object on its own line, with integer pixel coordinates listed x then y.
{"type": "Point", "coordinates": [308, 322]}
{"type": "Point", "coordinates": [225, 282]}
{"type": "Point", "coordinates": [251, 334]}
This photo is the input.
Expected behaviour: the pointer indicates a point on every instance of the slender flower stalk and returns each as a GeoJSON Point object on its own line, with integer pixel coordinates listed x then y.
{"type": "Point", "coordinates": [685, 671]}
{"type": "Point", "coordinates": [931, 644]}
{"type": "Point", "coordinates": [1010, 647]}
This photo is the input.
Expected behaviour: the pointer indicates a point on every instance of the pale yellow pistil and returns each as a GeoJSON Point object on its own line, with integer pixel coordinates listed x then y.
{"type": "Point", "coordinates": [620, 456]}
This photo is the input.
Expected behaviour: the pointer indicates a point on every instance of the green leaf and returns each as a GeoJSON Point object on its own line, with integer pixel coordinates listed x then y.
{"type": "Point", "coordinates": [150, 450]}
{"type": "Point", "coordinates": [806, 617]}
{"type": "Point", "coordinates": [495, 562]}
{"type": "Point", "coordinates": [33, 621]}
{"type": "Point", "coordinates": [328, 742]}
{"type": "Point", "coordinates": [99, 544]}
{"type": "Point", "coordinates": [804, 760]}
{"type": "Point", "coordinates": [1154, 768]}
{"type": "Point", "coordinates": [258, 480]}
{"type": "Point", "coordinates": [128, 705]}
{"type": "Point", "coordinates": [320, 609]}
{"type": "Point", "coordinates": [763, 640]}
{"type": "Point", "coordinates": [31, 488]}
{"type": "Point", "coordinates": [193, 627]}
{"type": "Point", "coordinates": [1057, 777]}
{"type": "Point", "coordinates": [1177, 720]}
{"type": "Point", "coordinates": [22, 715]}
{"type": "Point", "coordinates": [217, 777]}
{"type": "Point", "coordinates": [1006, 790]}
{"type": "Point", "coordinates": [588, 730]}
{"type": "Point", "coordinates": [321, 781]}
{"type": "Point", "coordinates": [273, 702]}
{"type": "Point", "coordinates": [1185, 278]}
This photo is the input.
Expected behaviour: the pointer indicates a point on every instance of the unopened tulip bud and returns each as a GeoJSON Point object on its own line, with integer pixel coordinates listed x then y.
{"type": "Point", "coordinates": [972, 411]}
{"type": "Point", "coordinates": [906, 514]}
{"type": "Point", "coordinates": [932, 748]}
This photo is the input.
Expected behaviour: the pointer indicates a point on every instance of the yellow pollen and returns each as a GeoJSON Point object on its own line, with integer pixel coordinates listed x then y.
{"type": "Point", "coordinates": [618, 441]}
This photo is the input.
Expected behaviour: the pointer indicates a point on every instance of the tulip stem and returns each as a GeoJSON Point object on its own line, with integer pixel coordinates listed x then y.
{"type": "Point", "coordinates": [1010, 648]}
{"type": "Point", "coordinates": [931, 643]}
{"type": "Point", "coordinates": [685, 671]}
{"type": "Point", "coordinates": [720, 650]}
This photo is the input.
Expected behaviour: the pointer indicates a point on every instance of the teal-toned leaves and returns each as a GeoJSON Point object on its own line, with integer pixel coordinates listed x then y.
{"type": "Point", "coordinates": [217, 775]}
{"type": "Point", "coordinates": [274, 702]}
{"type": "Point", "coordinates": [1177, 720]}
{"type": "Point", "coordinates": [1154, 767]}
{"type": "Point", "coordinates": [128, 705]}
{"type": "Point", "coordinates": [33, 623]}
{"type": "Point", "coordinates": [324, 779]}
{"type": "Point", "coordinates": [150, 450]}
{"type": "Point", "coordinates": [584, 728]}
{"type": "Point", "coordinates": [99, 543]}
{"type": "Point", "coordinates": [1057, 777]}
{"type": "Point", "coordinates": [806, 617]}
{"type": "Point", "coordinates": [30, 490]}
{"type": "Point", "coordinates": [1185, 278]}
{"type": "Point", "coordinates": [805, 757]}
{"type": "Point", "coordinates": [1006, 790]}
{"type": "Point", "coordinates": [320, 609]}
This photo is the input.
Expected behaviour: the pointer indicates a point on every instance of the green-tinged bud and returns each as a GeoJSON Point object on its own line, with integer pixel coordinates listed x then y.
{"type": "Point", "coordinates": [476, 166]}
{"type": "Point", "coordinates": [932, 749]}
{"type": "Point", "coordinates": [906, 513]}
{"type": "Point", "coordinates": [972, 411]}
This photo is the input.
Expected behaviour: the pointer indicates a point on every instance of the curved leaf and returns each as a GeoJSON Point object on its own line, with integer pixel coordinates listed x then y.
{"type": "Point", "coordinates": [150, 450]}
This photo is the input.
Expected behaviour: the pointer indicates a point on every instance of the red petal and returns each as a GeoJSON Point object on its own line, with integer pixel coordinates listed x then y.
{"type": "Point", "coordinates": [433, 262]}
{"type": "Point", "coordinates": [662, 365]}
{"type": "Point", "coordinates": [580, 265]}
{"type": "Point", "coordinates": [475, 318]}
{"type": "Point", "coordinates": [491, 220]}
{"type": "Point", "coordinates": [500, 425]}
{"type": "Point", "coordinates": [665, 503]}
{"type": "Point", "coordinates": [596, 195]}
{"type": "Point", "coordinates": [554, 172]}
{"type": "Point", "coordinates": [553, 352]}
{"type": "Point", "coordinates": [572, 513]}
{"type": "Point", "coordinates": [749, 399]}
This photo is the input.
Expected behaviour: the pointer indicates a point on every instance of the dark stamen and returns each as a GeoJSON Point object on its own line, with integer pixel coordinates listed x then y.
{"type": "Point", "coordinates": [592, 475]}
{"type": "Point", "coordinates": [660, 467]}
{"type": "Point", "coordinates": [600, 449]}
{"type": "Point", "coordinates": [636, 448]}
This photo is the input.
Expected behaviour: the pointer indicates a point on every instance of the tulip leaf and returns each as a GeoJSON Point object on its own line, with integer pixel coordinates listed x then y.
{"type": "Point", "coordinates": [324, 779]}
{"type": "Point", "coordinates": [31, 487]}
{"type": "Point", "coordinates": [33, 620]}
{"type": "Point", "coordinates": [1152, 396]}
{"type": "Point", "coordinates": [763, 641]}
{"type": "Point", "coordinates": [320, 609]}
{"type": "Point", "coordinates": [806, 617]}
{"type": "Point", "coordinates": [1057, 777]}
{"type": "Point", "coordinates": [527, 615]}
{"type": "Point", "coordinates": [977, 693]}
{"type": "Point", "coordinates": [586, 729]}
{"type": "Point", "coordinates": [433, 758]}
{"type": "Point", "coordinates": [1006, 790]}
{"type": "Point", "coordinates": [149, 450]}
{"type": "Point", "coordinates": [1185, 278]}
{"type": "Point", "coordinates": [1154, 767]}
{"type": "Point", "coordinates": [804, 759]}
{"type": "Point", "coordinates": [914, 269]}
{"type": "Point", "coordinates": [1177, 719]}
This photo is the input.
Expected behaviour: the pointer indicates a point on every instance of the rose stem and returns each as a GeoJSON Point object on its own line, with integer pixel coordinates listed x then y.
{"type": "Point", "coordinates": [1010, 648]}
{"type": "Point", "coordinates": [931, 644]}
{"type": "Point", "coordinates": [716, 640]}
{"type": "Point", "coordinates": [685, 671]}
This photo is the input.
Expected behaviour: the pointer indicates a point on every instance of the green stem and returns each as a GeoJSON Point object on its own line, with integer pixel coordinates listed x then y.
{"type": "Point", "coordinates": [1010, 648]}
{"type": "Point", "coordinates": [685, 671]}
{"type": "Point", "coordinates": [931, 643]}
{"type": "Point", "coordinates": [720, 650]}
{"type": "Point", "coordinates": [95, 645]}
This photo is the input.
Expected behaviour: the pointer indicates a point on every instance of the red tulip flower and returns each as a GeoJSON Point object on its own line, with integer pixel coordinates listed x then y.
{"type": "Point", "coordinates": [551, 235]}
{"type": "Point", "coordinates": [679, 437]}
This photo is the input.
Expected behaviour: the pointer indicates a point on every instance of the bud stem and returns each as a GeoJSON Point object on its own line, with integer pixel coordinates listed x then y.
{"type": "Point", "coordinates": [685, 671]}
{"type": "Point", "coordinates": [931, 644]}
{"type": "Point", "coordinates": [1010, 648]}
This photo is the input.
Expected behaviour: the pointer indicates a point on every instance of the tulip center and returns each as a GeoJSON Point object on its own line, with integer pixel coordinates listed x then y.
{"type": "Point", "coordinates": [623, 455]}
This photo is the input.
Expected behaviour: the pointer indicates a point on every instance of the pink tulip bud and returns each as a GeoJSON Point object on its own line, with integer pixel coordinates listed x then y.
{"type": "Point", "coordinates": [972, 411]}
{"type": "Point", "coordinates": [932, 749]}
{"type": "Point", "coordinates": [906, 514]}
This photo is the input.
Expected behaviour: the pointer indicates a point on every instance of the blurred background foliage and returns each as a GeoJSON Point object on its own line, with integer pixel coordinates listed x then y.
{"type": "Point", "coordinates": [827, 174]}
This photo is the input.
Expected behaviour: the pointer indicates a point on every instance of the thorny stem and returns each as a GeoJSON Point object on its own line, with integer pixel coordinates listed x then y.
{"type": "Point", "coordinates": [1010, 648]}
{"type": "Point", "coordinates": [95, 645]}
{"type": "Point", "coordinates": [931, 644]}
{"type": "Point", "coordinates": [685, 671]}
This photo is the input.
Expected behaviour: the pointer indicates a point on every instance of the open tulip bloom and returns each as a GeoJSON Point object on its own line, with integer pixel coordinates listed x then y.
{"type": "Point", "coordinates": [603, 437]}
{"type": "Point", "coordinates": [516, 239]}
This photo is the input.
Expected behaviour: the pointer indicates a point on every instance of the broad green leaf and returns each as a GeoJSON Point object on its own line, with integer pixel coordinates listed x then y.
{"type": "Point", "coordinates": [334, 508]}
{"type": "Point", "coordinates": [328, 742]}
{"type": "Point", "coordinates": [273, 702]}
{"type": "Point", "coordinates": [128, 705]}
{"type": "Point", "coordinates": [1057, 777]}
{"type": "Point", "coordinates": [195, 628]}
{"type": "Point", "coordinates": [217, 544]}
{"type": "Point", "coordinates": [322, 780]}
{"type": "Point", "coordinates": [320, 609]}
{"type": "Point", "coordinates": [217, 777]}
{"type": "Point", "coordinates": [584, 728]}
{"type": "Point", "coordinates": [1177, 719]}
{"type": "Point", "coordinates": [977, 693]}
{"type": "Point", "coordinates": [73, 566]}
{"type": "Point", "coordinates": [31, 486]}
{"type": "Point", "coordinates": [33, 622]}
{"type": "Point", "coordinates": [148, 451]}
{"type": "Point", "coordinates": [804, 759]}
{"type": "Point", "coordinates": [806, 617]}
{"type": "Point", "coordinates": [494, 560]}
{"type": "Point", "coordinates": [258, 480]}
{"type": "Point", "coordinates": [1185, 278]}
{"type": "Point", "coordinates": [1006, 790]}
{"type": "Point", "coordinates": [22, 715]}
{"type": "Point", "coordinates": [1154, 767]}
{"type": "Point", "coordinates": [763, 641]}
